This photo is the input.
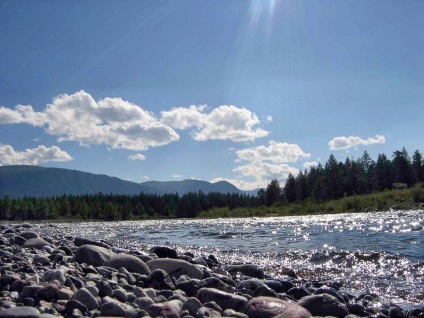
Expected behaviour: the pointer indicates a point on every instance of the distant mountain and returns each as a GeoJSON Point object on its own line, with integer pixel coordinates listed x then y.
{"type": "Point", "coordinates": [35, 181]}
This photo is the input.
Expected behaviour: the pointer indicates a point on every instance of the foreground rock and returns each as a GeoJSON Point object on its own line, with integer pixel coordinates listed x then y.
{"type": "Point", "coordinates": [53, 275]}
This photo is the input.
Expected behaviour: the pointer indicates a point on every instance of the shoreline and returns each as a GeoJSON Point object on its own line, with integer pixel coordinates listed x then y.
{"type": "Point", "coordinates": [164, 281]}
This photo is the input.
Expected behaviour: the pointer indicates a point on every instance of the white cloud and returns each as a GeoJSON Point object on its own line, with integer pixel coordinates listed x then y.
{"type": "Point", "coordinates": [263, 163]}
{"type": "Point", "coordinates": [224, 122]}
{"type": "Point", "coordinates": [21, 115]}
{"type": "Point", "coordinates": [35, 156]}
{"type": "Point", "coordinates": [137, 156]}
{"type": "Point", "coordinates": [177, 176]}
{"type": "Point", "coordinates": [111, 121]}
{"type": "Point", "coordinates": [310, 164]}
{"type": "Point", "coordinates": [145, 178]}
{"type": "Point", "coordinates": [269, 118]}
{"type": "Point", "coordinates": [275, 152]}
{"type": "Point", "coordinates": [341, 143]}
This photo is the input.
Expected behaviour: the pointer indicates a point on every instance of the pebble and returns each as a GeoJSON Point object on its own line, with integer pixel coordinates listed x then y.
{"type": "Point", "coordinates": [52, 275]}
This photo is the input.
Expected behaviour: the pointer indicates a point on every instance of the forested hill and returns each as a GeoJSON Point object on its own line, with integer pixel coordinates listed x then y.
{"type": "Point", "coordinates": [34, 181]}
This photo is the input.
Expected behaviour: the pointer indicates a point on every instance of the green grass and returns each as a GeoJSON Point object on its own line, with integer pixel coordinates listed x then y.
{"type": "Point", "coordinates": [400, 199]}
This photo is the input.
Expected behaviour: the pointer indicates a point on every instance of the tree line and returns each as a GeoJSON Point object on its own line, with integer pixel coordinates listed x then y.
{"type": "Point", "coordinates": [333, 180]}
{"type": "Point", "coordinates": [336, 179]}
{"type": "Point", "coordinates": [111, 207]}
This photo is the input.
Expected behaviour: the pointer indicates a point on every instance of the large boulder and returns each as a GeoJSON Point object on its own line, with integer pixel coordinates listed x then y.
{"type": "Point", "coordinates": [132, 263]}
{"type": "Point", "coordinates": [37, 243]}
{"type": "Point", "coordinates": [23, 312]}
{"type": "Point", "coordinates": [294, 311]}
{"type": "Point", "coordinates": [223, 299]}
{"type": "Point", "coordinates": [176, 267]}
{"type": "Point", "coordinates": [169, 309]}
{"type": "Point", "coordinates": [324, 305]}
{"type": "Point", "coordinates": [93, 255]}
{"type": "Point", "coordinates": [266, 307]}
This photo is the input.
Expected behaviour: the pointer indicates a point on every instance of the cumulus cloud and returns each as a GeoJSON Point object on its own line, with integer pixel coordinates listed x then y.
{"type": "Point", "coordinates": [310, 164]}
{"type": "Point", "coordinates": [21, 115]}
{"type": "Point", "coordinates": [224, 122]}
{"type": "Point", "coordinates": [263, 163]}
{"type": "Point", "coordinates": [137, 156]}
{"type": "Point", "coordinates": [275, 152]}
{"type": "Point", "coordinates": [35, 156]}
{"type": "Point", "coordinates": [341, 143]}
{"type": "Point", "coordinates": [111, 121]}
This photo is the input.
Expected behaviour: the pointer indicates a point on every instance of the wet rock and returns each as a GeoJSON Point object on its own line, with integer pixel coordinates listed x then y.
{"type": "Point", "coordinates": [169, 309]}
{"type": "Point", "coordinates": [323, 305]}
{"type": "Point", "coordinates": [331, 291]}
{"type": "Point", "coordinates": [214, 282]}
{"type": "Point", "coordinates": [266, 307]}
{"type": "Point", "coordinates": [164, 252]}
{"type": "Point", "coordinates": [176, 268]}
{"type": "Point", "coordinates": [264, 290]}
{"type": "Point", "coordinates": [23, 311]}
{"type": "Point", "coordinates": [250, 270]}
{"type": "Point", "coordinates": [396, 312]}
{"type": "Point", "coordinates": [298, 292]}
{"type": "Point", "coordinates": [144, 302]}
{"type": "Point", "coordinates": [129, 262]}
{"type": "Point", "coordinates": [223, 299]}
{"type": "Point", "coordinates": [93, 255]}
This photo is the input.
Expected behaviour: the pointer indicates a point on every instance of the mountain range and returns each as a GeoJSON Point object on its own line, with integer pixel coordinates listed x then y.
{"type": "Point", "coordinates": [35, 181]}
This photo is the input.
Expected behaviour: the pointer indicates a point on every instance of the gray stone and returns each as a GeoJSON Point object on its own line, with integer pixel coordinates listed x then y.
{"type": "Point", "coordinates": [57, 275]}
{"type": "Point", "coordinates": [207, 312]}
{"type": "Point", "coordinates": [144, 302]}
{"type": "Point", "coordinates": [164, 252]}
{"type": "Point", "coordinates": [266, 307]}
{"type": "Point", "coordinates": [294, 311]}
{"type": "Point", "coordinates": [168, 309]}
{"type": "Point", "coordinates": [234, 314]}
{"type": "Point", "coordinates": [250, 270]}
{"type": "Point", "coordinates": [80, 241]}
{"type": "Point", "coordinates": [23, 311]}
{"type": "Point", "coordinates": [131, 263]}
{"type": "Point", "coordinates": [223, 299]}
{"type": "Point", "coordinates": [192, 305]}
{"type": "Point", "coordinates": [176, 268]}
{"type": "Point", "coordinates": [29, 235]}
{"type": "Point", "coordinates": [93, 255]}
{"type": "Point", "coordinates": [120, 294]}
{"type": "Point", "coordinates": [84, 296]}
{"type": "Point", "coordinates": [324, 305]}
{"type": "Point", "coordinates": [37, 243]}
{"type": "Point", "coordinates": [114, 308]}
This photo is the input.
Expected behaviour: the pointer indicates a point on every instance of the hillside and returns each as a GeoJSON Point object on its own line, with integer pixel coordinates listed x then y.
{"type": "Point", "coordinates": [35, 181]}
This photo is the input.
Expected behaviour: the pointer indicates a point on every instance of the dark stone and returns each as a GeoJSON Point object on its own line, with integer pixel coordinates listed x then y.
{"type": "Point", "coordinates": [48, 292]}
{"type": "Point", "coordinates": [298, 292]}
{"type": "Point", "coordinates": [75, 304]}
{"type": "Point", "coordinates": [159, 279]}
{"type": "Point", "coordinates": [294, 311]}
{"type": "Point", "coordinates": [37, 243]}
{"type": "Point", "coordinates": [223, 299]}
{"type": "Point", "coordinates": [250, 270]}
{"type": "Point", "coordinates": [80, 241]}
{"type": "Point", "coordinates": [164, 252]}
{"type": "Point", "coordinates": [264, 290]}
{"type": "Point", "coordinates": [396, 312]}
{"type": "Point", "coordinates": [323, 305]}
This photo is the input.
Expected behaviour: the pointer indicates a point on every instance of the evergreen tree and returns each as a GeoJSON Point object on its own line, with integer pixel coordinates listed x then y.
{"type": "Point", "coordinates": [402, 166]}
{"type": "Point", "coordinates": [290, 189]}
{"type": "Point", "coordinates": [417, 167]}
{"type": "Point", "coordinates": [273, 192]}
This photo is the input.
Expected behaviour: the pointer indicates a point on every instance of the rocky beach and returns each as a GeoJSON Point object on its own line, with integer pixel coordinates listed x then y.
{"type": "Point", "coordinates": [50, 273]}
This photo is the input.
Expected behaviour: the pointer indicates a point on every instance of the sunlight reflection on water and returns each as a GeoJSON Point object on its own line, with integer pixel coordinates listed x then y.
{"type": "Point", "coordinates": [380, 252]}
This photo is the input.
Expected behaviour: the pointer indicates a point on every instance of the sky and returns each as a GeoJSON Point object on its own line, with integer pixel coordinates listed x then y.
{"type": "Point", "coordinates": [243, 91]}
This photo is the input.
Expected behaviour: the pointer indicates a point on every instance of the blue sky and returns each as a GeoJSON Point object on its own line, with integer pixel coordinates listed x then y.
{"type": "Point", "coordinates": [245, 91]}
